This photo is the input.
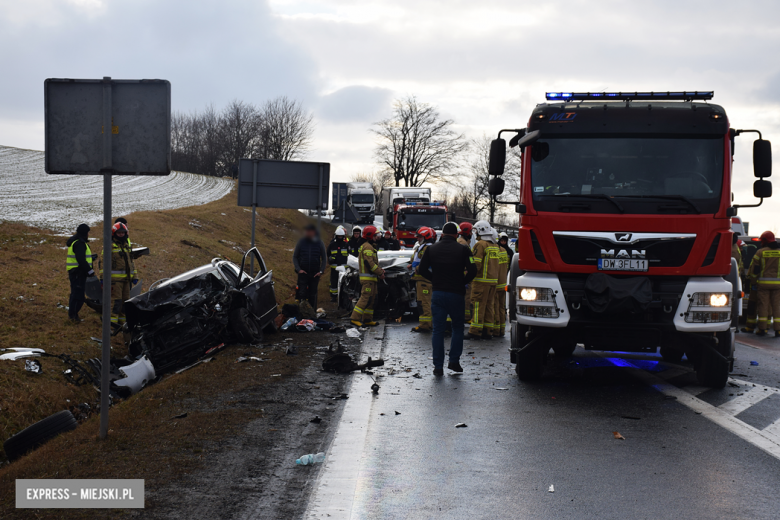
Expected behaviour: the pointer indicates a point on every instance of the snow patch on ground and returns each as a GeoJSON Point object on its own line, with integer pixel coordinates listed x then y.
{"type": "Point", "coordinates": [62, 202]}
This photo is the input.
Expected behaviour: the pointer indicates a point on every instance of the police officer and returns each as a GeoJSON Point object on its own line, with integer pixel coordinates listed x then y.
{"type": "Point", "coordinates": [424, 291]}
{"type": "Point", "coordinates": [369, 270]}
{"type": "Point", "coordinates": [354, 241]}
{"type": "Point", "coordinates": [464, 239]}
{"type": "Point", "coordinates": [765, 273]}
{"type": "Point", "coordinates": [123, 274]}
{"type": "Point", "coordinates": [483, 288]}
{"type": "Point", "coordinates": [79, 267]}
{"type": "Point", "coordinates": [503, 267]}
{"type": "Point", "coordinates": [338, 251]}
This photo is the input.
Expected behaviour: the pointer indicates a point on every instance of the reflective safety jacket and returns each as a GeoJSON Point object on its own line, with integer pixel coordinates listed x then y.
{"type": "Point", "coordinates": [503, 267]}
{"type": "Point", "coordinates": [338, 251]}
{"type": "Point", "coordinates": [72, 260]}
{"type": "Point", "coordinates": [368, 263]}
{"type": "Point", "coordinates": [486, 259]}
{"type": "Point", "coordinates": [736, 254]}
{"type": "Point", "coordinates": [122, 265]}
{"type": "Point", "coordinates": [765, 267]}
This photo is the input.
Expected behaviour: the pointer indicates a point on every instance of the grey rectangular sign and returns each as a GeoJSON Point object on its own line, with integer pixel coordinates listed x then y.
{"type": "Point", "coordinates": [141, 128]}
{"type": "Point", "coordinates": [79, 493]}
{"type": "Point", "coordinates": [284, 184]}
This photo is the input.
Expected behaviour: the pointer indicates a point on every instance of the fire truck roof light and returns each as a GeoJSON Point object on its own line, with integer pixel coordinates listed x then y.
{"type": "Point", "coordinates": [631, 96]}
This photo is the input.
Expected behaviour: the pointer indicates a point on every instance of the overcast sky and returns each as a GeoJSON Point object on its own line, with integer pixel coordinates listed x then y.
{"type": "Point", "coordinates": [483, 63]}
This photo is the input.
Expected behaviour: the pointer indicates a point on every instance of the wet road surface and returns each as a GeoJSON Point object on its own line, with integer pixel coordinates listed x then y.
{"type": "Point", "coordinates": [688, 452]}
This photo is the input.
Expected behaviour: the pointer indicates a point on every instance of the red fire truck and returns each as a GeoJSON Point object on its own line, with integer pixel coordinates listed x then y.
{"type": "Point", "coordinates": [409, 209]}
{"type": "Point", "coordinates": [625, 229]}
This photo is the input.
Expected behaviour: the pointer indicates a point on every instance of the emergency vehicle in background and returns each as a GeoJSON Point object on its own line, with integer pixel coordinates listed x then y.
{"type": "Point", "coordinates": [408, 209]}
{"type": "Point", "coordinates": [625, 229]}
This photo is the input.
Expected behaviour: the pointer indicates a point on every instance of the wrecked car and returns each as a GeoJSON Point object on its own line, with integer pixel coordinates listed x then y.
{"type": "Point", "coordinates": [180, 319]}
{"type": "Point", "coordinates": [396, 294]}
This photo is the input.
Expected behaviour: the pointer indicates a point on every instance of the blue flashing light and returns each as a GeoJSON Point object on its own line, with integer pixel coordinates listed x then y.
{"type": "Point", "coordinates": [688, 95]}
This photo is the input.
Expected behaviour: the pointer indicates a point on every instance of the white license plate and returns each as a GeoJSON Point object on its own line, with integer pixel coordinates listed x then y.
{"type": "Point", "coordinates": [622, 264]}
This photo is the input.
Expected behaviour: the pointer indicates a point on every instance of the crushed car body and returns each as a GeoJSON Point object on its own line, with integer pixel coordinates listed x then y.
{"type": "Point", "coordinates": [182, 318]}
{"type": "Point", "coordinates": [397, 293]}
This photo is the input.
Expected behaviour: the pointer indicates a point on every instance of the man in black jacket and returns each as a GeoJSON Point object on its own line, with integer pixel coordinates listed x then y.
{"type": "Point", "coordinates": [79, 267]}
{"type": "Point", "coordinates": [450, 267]}
{"type": "Point", "coordinates": [309, 259]}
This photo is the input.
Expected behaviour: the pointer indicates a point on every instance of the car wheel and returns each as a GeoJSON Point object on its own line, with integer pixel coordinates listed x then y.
{"type": "Point", "coordinates": [37, 434]}
{"type": "Point", "coordinates": [671, 355]}
{"type": "Point", "coordinates": [245, 326]}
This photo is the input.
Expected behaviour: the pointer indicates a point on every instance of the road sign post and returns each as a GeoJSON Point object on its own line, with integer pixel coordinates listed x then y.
{"type": "Point", "coordinates": [81, 118]}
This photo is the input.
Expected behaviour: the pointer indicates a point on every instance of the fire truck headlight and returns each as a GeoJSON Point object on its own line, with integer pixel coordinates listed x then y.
{"type": "Point", "coordinates": [719, 300]}
{"type": "Point", "coordinates": [528, 294]}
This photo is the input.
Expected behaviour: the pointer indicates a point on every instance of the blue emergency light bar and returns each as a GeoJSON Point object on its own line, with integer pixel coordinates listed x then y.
{"type": "Point", "coordinates": [630, 96]}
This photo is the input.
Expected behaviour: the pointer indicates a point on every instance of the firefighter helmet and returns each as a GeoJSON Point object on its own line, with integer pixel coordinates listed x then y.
{"type": "Point", "coordinates": [340, 232]}
{"type": "Point", "coordinates": [465, 228]}
{"type": "Point", "coordinates": [426, 232]}
{"type": "Point", "coordinates": [767, 237]}
{"type": "Point", "coordinates": [483, 229]}
{"type": "Point", "coordinates": [118, 228]}
{"type": "Point", "coordinates": [369, 232]}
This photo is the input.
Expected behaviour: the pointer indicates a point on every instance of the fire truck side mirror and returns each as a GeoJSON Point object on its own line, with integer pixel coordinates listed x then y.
{"type": "Point", "coordinates": [762, 189]}
{"type": "Point", "coordinates": [496, 186]}
{"type": "Point", "coordinates": [497, 158]}
{"type": "Point", "coordinates": [762, 158]}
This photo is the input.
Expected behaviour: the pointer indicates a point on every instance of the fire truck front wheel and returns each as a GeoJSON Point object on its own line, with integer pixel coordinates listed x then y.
{"type": "Point", "coordinates": [714, 364]}
{"type": "Point", "coordinates": [530, 353]}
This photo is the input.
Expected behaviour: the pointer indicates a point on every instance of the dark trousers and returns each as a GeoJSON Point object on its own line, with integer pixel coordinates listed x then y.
{"type": "Point", "coordinates": [334, 282]}
{"type": "Point", "coordinates": [444, 304]}
{"type": "Point", "coordinates": [78, 284]}
{"type": "Point", "coordinates": [307, 288]}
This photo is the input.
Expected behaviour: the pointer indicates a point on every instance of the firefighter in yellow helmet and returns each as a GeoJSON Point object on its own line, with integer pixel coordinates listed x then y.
{"type": "Point", "coordinates": [423, 285]}
{"type": "Point", "coordinates": [123, 273]}
{"type": "Point", "coordinates": [765, 273]}
{"type": "Point", "coordinates": [370, 272]}
{"type": "Point", "coordinates": [483, 288]}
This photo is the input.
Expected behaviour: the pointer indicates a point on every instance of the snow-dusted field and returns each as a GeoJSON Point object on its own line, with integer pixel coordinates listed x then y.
{"type": "Point", "coordinates": [62, 202]}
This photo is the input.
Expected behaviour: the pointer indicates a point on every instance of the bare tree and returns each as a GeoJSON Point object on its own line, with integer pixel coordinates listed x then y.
{"type": "Point", "coordinates": [239, 131]}
{"type": "Point", "coordinates": [417, 145]}
{"type": "Point", "coordinates": [286, 130]}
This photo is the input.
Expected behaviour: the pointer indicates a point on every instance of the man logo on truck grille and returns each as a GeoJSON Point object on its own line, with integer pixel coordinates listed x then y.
{"type": "Point", "coordinates": [623, 237]}
{"type": "Point", "coordinates": [623, 253]}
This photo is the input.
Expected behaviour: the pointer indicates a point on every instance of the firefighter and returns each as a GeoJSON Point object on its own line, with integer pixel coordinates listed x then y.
{"type": "Point", "coordinates": [464, 238]}
{"type": "Point", "coordinates": [123, 220]}
{"type": "Point", "coordinates": [392, 243]}
{"type": "Point", "coordinates": [483, 288]}
{"type": "Point", "coordinates": [765, 273]}
{"type": "Point", "coordinates": [79, 266]}
{"type": "Point", "coordinates": [424, 291]}
{"type": "Point", "coordinates": [123, 274]}
{"type": "Point", "coordinates": [503, 267]}
{"type": "Point", "coordinates": [503, 243]}
{"type": "Point", "coordinates": [380, 244]}
{"type": "Point", "coordinates": [369, 269]}
{"type": "Point", "coordinates": [338, 251]}
{"type": "Point", "coordinates": [354, 241]}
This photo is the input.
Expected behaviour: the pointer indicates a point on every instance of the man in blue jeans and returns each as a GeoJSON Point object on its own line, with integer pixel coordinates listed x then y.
{"type": "Point", "coordinates": [450, 267]}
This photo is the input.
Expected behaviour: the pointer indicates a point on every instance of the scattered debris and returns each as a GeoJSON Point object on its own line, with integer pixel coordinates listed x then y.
{"type": "Point", "coordinates": [461, 425]}
{"type": "Point", "coordinates": [551, 489]}
{"type": "Point", "coordinates": [20, 353]}
{"type": "Point", "coordinates": [504, 388]}
{"type": "Point", "coordinates": [194, 365]}
{"type": "Point", "coordinates": [291, 351]}
{"type": "Point", "coordinates": [375, 388]}
{"type": "Point", "coordinates": [96, 340]}
{"type": "Point", "coordinates": [289, 324]}
{"type": "Point", "coordinates": [754, 363]}
{"type": "Point", "coordinates": [242, 359]}
{"type": "Point", "coordinates": [397, 413]}
{"type": "Point", "coordinates": [417, 376]}
{"type": "Point", "coordinates": [342, 363]}
{"type": "Point", "coordinates": [195, 225]}
{"type": "Point", "coordinates": [180, 416]}
{"type": "Point", "coordinates": [733, 384]}
{"type": "Point", "coordinates": [618, 436]}
{"type": "Point", "coordinates": [305, 326]}
{"type": "Point", "coordinates": [33, 365]}
{"type": "Point", "coordinates": [317, 419]}
{"type": "Point", "coordinates": [630, 417]}
{"type": "Point", "coordinates": [353, 333]}
{"type": "Point", "coordinates": [670, 398]}
{"type": "Point", "coordinates": [341, 397]}
{"type": "Point", "coordinates": [191, 244]}
{"type": "Point", "coordinates": [276, 375]}
{"type": "Point", "coordinates": [311, 459]}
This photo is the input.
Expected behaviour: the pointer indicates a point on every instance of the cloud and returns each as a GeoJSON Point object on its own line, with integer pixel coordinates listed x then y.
{"type": "Point", "coordinates": [355, 103]}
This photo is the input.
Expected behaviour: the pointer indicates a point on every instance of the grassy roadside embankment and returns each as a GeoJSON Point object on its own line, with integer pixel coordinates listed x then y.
{"type": "Point", "coordinates": [144, 442]}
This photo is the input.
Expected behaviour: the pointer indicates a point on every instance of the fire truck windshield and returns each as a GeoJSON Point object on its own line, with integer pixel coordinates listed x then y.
{"type": "Point", "coordinates": [414, 220]}
{"type": "Point", "coordinates": [643, 174]}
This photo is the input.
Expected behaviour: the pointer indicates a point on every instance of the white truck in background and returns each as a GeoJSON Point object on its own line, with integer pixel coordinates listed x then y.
{"type": "Point", "coordinates": [361, 196]}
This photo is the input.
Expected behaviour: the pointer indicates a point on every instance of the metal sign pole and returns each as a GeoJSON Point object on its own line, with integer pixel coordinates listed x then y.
{"type": "Point", "coordinates": [106, 263]}
{"type": "Point", "coordinates": [319, 206]}
{"type": "Point", "coordinates": [254, 208]}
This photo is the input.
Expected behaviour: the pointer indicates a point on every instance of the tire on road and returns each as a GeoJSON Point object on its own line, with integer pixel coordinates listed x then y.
{"type": "Point", "coordinates": [712, 370]}
{"type": "Point", "coordinates": [529, 362]}
{"type": "Point", "coordinates": [671, 355]}
{"type": "Point", "coordinates": [39, 433]}
{"type": "Point", "coordinates": [245, 326]}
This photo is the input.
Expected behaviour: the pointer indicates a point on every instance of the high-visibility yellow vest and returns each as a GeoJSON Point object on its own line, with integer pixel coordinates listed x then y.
{"type": "Point", "coordinates": [71, 262]}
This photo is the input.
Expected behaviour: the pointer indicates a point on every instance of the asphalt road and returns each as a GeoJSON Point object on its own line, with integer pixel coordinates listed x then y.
{"type": "Point", "coordinates": [688, 452]}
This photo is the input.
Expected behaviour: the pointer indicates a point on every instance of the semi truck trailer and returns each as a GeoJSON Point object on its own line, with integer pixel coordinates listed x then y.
{"type": "Point", "coordinates": [625, 229]}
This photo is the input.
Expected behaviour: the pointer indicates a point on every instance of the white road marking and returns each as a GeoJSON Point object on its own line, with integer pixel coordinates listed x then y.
{"type": "Point", "coordinates": [764, 440]}
{"type": "Point", "coordinates": [334, 490]}
{"type": "Point", "coordinates": [751, 394]}
{"type": "Point", "coordinates": [773, 429]}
